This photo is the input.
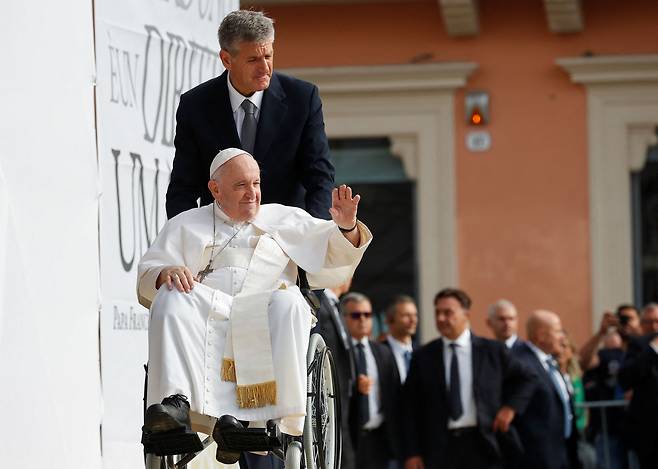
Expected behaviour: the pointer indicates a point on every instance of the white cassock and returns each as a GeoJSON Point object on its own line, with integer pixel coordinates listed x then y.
{"type": "Point", "coordinates": [249, 297]}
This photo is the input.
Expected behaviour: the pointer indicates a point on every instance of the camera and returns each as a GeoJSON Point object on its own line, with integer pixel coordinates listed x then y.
{"type": "Point", "coordinates": [624, 320]}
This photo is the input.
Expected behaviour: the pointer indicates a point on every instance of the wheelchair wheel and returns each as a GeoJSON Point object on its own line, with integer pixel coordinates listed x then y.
{"type": "Point", "coordinates": [322, 433]}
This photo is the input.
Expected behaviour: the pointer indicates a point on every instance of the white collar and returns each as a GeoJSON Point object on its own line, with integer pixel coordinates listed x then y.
{"type": "Point", "coordinates": [541, 355]}
{"type": "Point", "coordinates": [363, 340]}
{"type": "Point", "coordinates": [510, 340]}
{"type": "Point", "coordinates": [221, 214]}
{"type": "Point", "coordinates": [237, 98]}
{"type": "Point", "coordinates": [331, 296]}
{"type": "Point", "coordinates": [397, 344]}
{"type": "Point", "coordinates": [463, 340]}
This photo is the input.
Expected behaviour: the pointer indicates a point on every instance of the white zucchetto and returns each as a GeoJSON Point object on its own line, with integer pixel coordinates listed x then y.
{"type": "Point", "coordinates": [224, 156]}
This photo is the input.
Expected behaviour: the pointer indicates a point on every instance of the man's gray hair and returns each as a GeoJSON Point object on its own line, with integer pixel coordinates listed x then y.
{"type": "Point", "coordinates": [244, 26]}
{"type": "Point", "coordinates": [393, 305]}
{"type": "Point", "coordinates": [500, 304]}
{"type": "Point", "coordinates": [649, 307]}
{"type": "Point", "coordinates": [352, 297]}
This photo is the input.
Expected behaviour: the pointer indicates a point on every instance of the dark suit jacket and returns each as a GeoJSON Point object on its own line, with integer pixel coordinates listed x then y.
{"type": "Point", "coordinates": [541, 425]}
{"type": "Point", "coordinates": [329, 327]}
{"type": "Point", "coordinates": [498, 380]}
{"type": "Point", "coordinates": [639, 372]}
{"type": "Point", "coordinates": [389, 389]}
{"type": "Point", "coordinates": [291, 146]}
{"type": "Point", "coordinates": [386, 344]}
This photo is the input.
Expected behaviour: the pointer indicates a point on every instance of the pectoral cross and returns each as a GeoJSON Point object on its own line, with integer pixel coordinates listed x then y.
{"type": "Point", "coordinates": [202, 273]}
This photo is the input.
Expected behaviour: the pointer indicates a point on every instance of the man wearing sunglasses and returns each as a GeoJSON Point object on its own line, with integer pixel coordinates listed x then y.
{"type": "Point", "coordinates": [372, 407]}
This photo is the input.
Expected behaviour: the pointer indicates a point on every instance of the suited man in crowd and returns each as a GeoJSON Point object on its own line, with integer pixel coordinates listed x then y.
{"type": "Point", "coordinates": [461, 395]}
{"type": "Point", "coordinates": [335, 334]}
{"type": "Point", "coordinates": [402, 321]}
{"type": "Point", "coordinates": [276, 118]}
{"type": "Point", "coordinates": [503, 321]}
{"type": "Point", "coordinates": [639, 373]}
{"type": "Point", "coordinates": [547, 426]}
{"type": "Point", "coordinates": [373, 407]}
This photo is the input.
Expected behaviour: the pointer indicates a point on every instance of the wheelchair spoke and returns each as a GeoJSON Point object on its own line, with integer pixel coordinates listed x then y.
{"type": "Point", "coordinates": [322, 430]}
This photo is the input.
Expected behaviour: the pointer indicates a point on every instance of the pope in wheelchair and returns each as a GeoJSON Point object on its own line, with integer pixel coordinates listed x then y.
{"type": "Point", "coordinates": [229, 327]}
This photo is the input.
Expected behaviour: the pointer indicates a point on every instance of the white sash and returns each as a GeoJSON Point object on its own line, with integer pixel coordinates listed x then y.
{"type": "Point", "coordinates": [248, 352]}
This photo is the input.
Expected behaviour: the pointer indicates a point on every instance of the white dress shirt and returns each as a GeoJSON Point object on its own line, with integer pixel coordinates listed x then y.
{"type": "Point", "coordinates": [331, 296]}
{"type": "Point", "coordinates": [399, 349]}
{"type": "Point", "coordinates": [653, 346]}
{"type": "Point", "coordinates": [543, 359]}
{"type": "Point", "coordinates": [464, 350]}
{"type": "Point", "coordinates": [236, 101]}
{"type": "Point", "coordinates": [374, 399]}
{"type": "Point", "coordinates": [511, 340]}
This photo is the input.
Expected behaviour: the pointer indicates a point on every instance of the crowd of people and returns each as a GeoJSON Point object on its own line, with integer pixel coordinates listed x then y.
{"type": "Point", "coordinates": [464, 401]}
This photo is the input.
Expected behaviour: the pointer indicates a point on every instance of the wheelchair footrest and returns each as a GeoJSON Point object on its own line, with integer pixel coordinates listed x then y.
{"type": "Point", "coordinates": [177, 441]}
{"type": "Point", "coordinates": [249, 439]}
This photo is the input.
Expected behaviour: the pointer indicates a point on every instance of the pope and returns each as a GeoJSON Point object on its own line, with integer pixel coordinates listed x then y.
{"type": "Point", "coordinates": [229, 328]}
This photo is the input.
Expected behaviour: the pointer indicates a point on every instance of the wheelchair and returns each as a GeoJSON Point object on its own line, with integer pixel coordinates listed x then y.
{"type": "Point", "coordinates": [320, 445]}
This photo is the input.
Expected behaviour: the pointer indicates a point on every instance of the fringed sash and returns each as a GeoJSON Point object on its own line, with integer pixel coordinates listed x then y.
{"type": "Point", "coordinates": [248, 351]}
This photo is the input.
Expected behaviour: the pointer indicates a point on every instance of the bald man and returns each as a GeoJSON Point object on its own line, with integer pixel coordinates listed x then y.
{"type": "Point", "coordinates": [546, 426]}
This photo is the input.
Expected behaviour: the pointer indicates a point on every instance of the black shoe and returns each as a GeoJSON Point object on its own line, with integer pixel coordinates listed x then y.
{"type": "Point", "coordinates": [226, 424]}
{"type": "Point", "coordinates": [172, 414]}
{"type": "Point", "coordinates": [232, 438]}
{"type": "Point", "coordinates": [167, 428]}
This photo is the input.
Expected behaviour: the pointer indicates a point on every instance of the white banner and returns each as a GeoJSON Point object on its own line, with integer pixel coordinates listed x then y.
{"type": "Point", "coordinates": [50, 383]}
{"type": "Point", "coordinates": [148, 53]}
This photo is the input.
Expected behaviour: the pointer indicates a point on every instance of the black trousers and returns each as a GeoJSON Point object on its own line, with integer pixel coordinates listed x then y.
{"type": "Point", "coordinates": [348, 458]}
{"type": "Point", "coordinates": [467, 449]}
{"type": "Point", "coordinates": [254, 461]}
{"type": "Point", "coordinates": [647, 457]}
{"type": "Point", "coordinates": [373, 451]}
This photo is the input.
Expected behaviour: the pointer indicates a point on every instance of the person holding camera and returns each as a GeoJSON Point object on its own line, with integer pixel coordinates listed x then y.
{"type": "Point", "coordinates": [601, 358]}
{"type": "Point", "coordinates": [639, 374]}
{"type": "Point", "coordinates": [625, 321]}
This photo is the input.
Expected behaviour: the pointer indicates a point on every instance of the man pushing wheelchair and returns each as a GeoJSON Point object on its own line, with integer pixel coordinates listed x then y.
{"type": "Point", "coordinates": [229, 328]}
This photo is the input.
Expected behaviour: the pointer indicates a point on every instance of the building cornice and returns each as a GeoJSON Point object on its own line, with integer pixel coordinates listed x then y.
{"type": "Point", "coordinates": [611, 68]}
{"type": "Point", "coordinates": [387, 78]}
